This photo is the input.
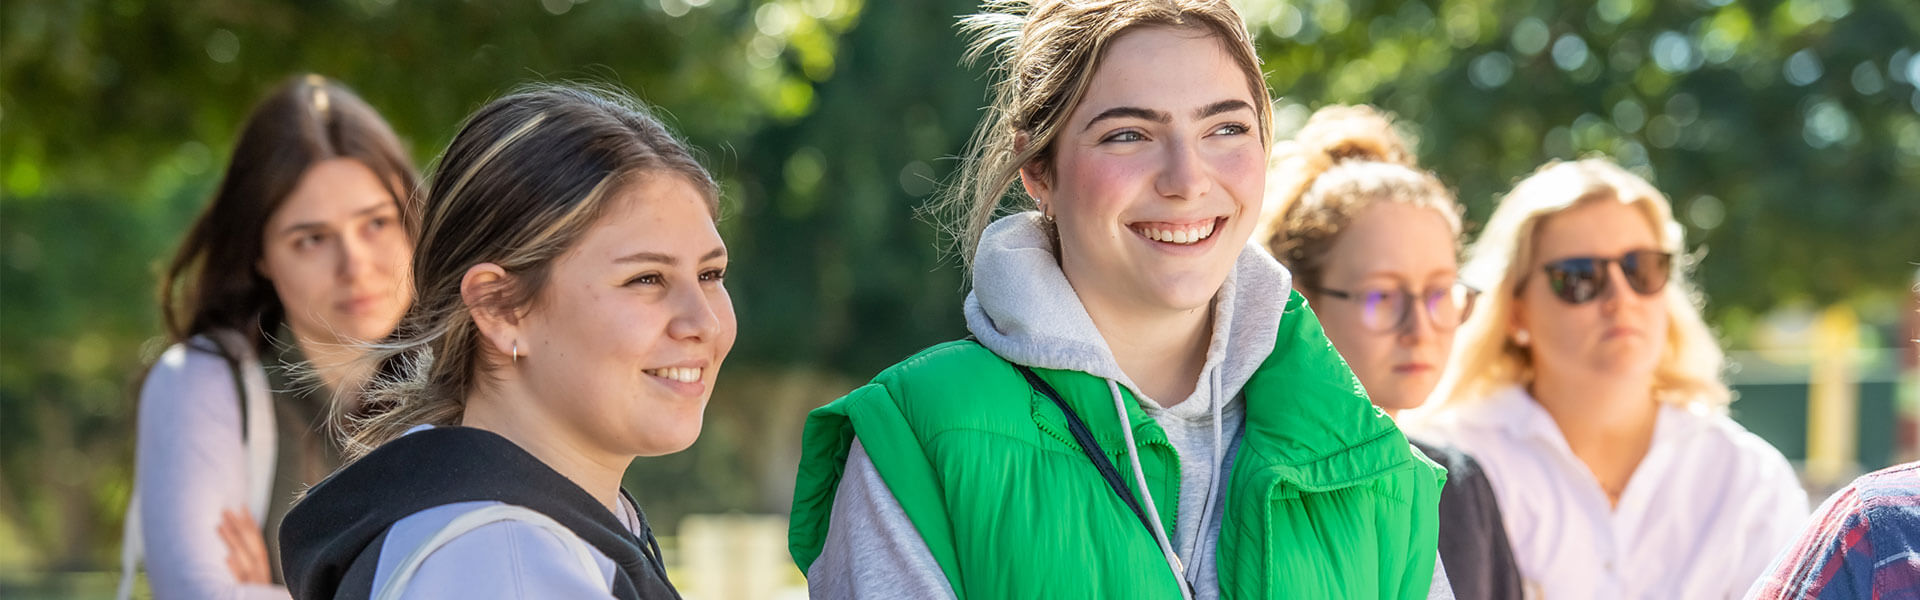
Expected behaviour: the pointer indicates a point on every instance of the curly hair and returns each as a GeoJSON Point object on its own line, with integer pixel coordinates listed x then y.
{"type": "Point", "coordinates": [1346, 159]}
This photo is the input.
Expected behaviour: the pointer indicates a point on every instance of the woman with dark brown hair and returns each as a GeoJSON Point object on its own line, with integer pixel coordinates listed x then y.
{"type": "Point", "coordinates": [301, 253]}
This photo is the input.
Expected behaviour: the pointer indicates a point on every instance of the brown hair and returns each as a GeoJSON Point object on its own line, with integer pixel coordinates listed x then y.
{"type": "Point", "coordinates": [1047, 52]}
{"type": "Point", "coordinates": [1346, 159]}
{"type": "Point", "coordinates": [525, 178]}
{"type": "Point", "coordinates": [211, 283]}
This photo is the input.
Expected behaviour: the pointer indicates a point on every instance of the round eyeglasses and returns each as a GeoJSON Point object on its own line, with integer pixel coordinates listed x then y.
{"type": "Point", "coordinates": [1386, 309]}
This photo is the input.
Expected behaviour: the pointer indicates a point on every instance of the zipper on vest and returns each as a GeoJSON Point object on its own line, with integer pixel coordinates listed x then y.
{"type": "Point", "coordinates": [1174, 479]}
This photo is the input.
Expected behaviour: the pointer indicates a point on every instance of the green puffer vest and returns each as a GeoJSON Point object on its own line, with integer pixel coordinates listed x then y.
{"type": "Point", "coordinates": [1326, 499]}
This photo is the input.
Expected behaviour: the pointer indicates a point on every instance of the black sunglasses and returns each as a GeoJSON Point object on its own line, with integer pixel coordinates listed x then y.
{"type": "Point", "coordinates": [1579, 280]}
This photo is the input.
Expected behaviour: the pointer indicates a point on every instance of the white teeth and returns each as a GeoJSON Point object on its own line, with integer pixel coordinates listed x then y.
{"type": "Point", "coordinates": [1191, 235]}
{"type": "Point", "coordinates": [680, 374]}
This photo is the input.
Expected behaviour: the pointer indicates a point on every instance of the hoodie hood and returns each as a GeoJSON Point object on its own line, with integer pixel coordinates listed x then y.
{"type": "Point", "coordinates": [331, 540]}
{"type": "Point", "coordinates": [1023, 309]}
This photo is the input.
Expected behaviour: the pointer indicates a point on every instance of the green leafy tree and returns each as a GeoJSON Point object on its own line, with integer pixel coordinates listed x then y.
{"type": "Point", "coordinates": [115, 117]}
{"type": "Point", "coordinates": [1787, 132]}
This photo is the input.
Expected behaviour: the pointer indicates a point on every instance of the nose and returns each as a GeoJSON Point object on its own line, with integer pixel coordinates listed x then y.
{"type": "Point", "coordinates": [356, 257]}
{"type": "Point", "coordinates": [695, 318]}
{"type": "Point", "coordinates": [1617, 290]}
{"type": "Point", "coordinates": [1418, 324]}
{"type": "Point", "coordinates": [1184, 175]}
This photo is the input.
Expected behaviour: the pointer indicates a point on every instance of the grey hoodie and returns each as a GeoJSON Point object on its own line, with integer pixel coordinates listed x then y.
{"type": "Point", "coordinates": [1023, 309]}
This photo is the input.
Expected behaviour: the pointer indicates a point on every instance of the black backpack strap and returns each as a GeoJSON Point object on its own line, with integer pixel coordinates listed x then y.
{"type": "Point", "coordinates": [239, 385]}
{"type": "Point", "coordinates": [1084, 437]}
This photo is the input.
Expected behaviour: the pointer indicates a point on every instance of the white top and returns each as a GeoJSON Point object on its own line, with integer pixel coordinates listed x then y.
{"type": "Point", "coordinates": [189, 465]}
{"type": "Point", "coordinates": [503, 559]}
{"type": "Point", "coordinates": [1700, 518]}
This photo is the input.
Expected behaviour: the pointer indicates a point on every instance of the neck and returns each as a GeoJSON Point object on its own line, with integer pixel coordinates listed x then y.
{"type": "Point", "coordinates": [1608, 422]}
{"type": "Point", "coordinates": [337, 364]}
{"type": "Point", "coordinates": [508, 408]}
{"type": "Point", "coordinates": [1163, 352]}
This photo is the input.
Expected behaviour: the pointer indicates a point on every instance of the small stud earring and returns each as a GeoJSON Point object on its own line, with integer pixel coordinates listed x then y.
{"type": "Point", "coordinates": [1522, 338]}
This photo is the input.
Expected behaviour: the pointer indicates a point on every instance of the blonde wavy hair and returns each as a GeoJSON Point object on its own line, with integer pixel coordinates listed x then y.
{"type": "Point", "coordinates": [1485, 357]}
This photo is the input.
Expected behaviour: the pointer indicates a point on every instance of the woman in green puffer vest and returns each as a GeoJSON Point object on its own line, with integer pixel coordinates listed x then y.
{"type": "Point", "coordinates": [1137, 415]}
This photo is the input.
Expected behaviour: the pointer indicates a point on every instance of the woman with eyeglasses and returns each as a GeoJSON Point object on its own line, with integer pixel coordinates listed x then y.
{"type": "Point", "coordinates": [1372, 242]}
{"type": "Point", "coordinates": [1587, 384]}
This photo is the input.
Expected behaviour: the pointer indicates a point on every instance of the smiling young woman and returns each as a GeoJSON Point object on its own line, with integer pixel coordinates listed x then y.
{"type": "Point", "coordinates": [1138, 417]}
{"type": "Point", "coordinates": [572, 317]}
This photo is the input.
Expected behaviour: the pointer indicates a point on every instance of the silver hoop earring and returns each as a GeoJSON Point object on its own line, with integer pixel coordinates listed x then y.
{"type": "Point", "coordinates": [516, 352]}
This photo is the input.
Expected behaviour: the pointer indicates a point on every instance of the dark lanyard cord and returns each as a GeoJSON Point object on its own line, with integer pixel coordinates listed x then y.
{"type": "Point", "coordinates": [1087, 446]}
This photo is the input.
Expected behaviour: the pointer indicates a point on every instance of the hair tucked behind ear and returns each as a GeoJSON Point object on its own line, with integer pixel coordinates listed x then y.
{"type": "Point", "coordinates": [1346, 159]}
{"type": "Point", "coordinates": [523, 181]}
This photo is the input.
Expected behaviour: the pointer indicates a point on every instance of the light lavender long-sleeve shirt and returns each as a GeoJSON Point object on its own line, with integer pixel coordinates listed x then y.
{"type": "Point", "coordinates": [190, 465]}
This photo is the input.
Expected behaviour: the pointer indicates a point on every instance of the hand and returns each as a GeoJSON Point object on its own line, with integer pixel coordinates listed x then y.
{"type": "Point", "coordinates": [246, 550]}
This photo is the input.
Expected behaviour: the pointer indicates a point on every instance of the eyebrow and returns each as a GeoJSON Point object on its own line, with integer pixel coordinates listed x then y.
{"type": "Point", "coordinates": [1406, 278]}
{"type": "Point", "coordinates": [1129, 112]}
{"type": "Point", "coordinates": [656, 257]}
{"type": "Point", "coordinates": [1222, 107]}
{"type": "Point", "coordinates": [1135, 112]}
{"type": "Point", "coordinates": [320, 225]}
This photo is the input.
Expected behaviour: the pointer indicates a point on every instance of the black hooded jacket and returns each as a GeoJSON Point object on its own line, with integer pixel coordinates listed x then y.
{"type": "Point", "coordinates": [330, 541]}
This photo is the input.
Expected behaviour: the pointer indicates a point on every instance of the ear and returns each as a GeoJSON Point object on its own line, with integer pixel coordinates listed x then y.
{"type": "Point", "coordinates": [499, 326]}
{"type": "Point", "coordinates": [1517, 329]}
{"type": "Point", "coordinates": [1033, 177]}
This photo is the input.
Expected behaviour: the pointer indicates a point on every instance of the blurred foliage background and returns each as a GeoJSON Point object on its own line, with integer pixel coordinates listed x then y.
{"type": "Point", "coordinates": [1786, 131]}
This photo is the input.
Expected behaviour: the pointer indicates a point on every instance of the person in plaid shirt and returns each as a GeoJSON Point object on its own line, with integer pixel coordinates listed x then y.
{"type": "Point", "coordinates": [1864, 542]}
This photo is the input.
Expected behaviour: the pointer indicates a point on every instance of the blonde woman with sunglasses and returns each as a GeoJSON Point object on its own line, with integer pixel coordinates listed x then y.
{"type": "Point", "coordinates": [1587, 384]}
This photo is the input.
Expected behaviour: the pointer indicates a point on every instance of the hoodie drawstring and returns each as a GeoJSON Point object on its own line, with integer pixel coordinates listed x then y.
{"type": "Point", "coordinates": [1213, 485]}
{"type": "Point", "coordinates": [1140, 475]}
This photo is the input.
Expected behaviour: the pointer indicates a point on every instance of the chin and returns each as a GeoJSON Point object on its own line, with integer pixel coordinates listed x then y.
{"type": "Point", "coordinates": [1398, 402]}
{"type": "Point", "coordinates": [1640, 363]}
{"type": "Point", "coordinates": [1189, 291]}
{"type": "Point", "coordinates": [661, 443]}
{"type": "Point", "coordinates": [368, 331]}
